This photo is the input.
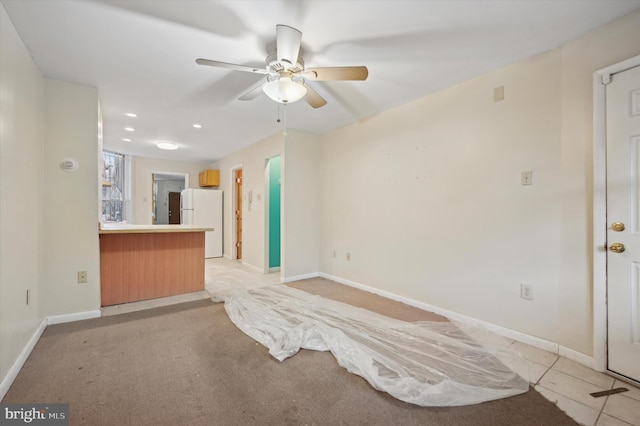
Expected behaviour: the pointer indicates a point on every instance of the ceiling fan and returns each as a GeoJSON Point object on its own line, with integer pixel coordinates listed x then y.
{"type": "Point", "coordinates": [286, 76]}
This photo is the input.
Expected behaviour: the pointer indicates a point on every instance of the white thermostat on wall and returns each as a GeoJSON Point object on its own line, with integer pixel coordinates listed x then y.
{"type": "Point", "coordinates": [69, 165]}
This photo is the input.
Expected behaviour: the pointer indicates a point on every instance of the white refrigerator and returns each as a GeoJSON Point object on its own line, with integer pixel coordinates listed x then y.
{"type": "Point", "coordinates": [203, 207]}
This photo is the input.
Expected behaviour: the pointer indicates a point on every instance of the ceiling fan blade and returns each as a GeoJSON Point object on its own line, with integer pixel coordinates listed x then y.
{"type": "Point", "coordinates": [336, 73]}
{"type": "Point", "coordinates": [218, 64]}
{"type": "Point", "coordinates": [313, 98]}
{"type": "Point", "coordinates": [253, 92]}
{"type": "Point", "coordinates": [288, 44]}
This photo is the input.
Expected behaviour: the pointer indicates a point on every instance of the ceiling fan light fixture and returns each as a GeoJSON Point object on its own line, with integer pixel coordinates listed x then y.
{"type": "Point", "coordinates": [285, 90]}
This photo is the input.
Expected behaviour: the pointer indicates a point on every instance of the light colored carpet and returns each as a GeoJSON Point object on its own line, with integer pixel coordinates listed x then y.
{"type": "Point", "coordinates": [187, 364]}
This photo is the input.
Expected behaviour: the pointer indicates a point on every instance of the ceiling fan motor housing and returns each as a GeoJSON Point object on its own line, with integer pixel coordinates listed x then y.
{"type": "Point", "coordinates": [275, 66]}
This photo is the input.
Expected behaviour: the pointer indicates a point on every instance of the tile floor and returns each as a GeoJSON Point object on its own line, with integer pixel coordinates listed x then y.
{"type": "Point", "coordinates": [562, 381]}
{"type": "Point", "coordinates": [569, 384]}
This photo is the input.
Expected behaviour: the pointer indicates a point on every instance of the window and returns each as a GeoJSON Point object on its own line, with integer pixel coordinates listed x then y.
{"type": "Point", "coordinates": [113, 187]}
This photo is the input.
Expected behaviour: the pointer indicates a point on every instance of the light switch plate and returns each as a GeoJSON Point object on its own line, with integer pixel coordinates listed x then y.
{"type": "Point", "coordinates": [526, 178]}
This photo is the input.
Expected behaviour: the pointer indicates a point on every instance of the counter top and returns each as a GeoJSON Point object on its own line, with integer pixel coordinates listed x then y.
{"type": "Point", "coordinates": [127, 228]}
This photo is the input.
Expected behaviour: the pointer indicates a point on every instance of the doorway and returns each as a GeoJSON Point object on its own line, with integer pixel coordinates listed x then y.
{"type": "Point", "coordinates": [623, 222]}
{"type": "Point", "coordinates": [616, 283]}
{"type": "Point", "coordinates": [165, 194]}
{"type": "Point", "coordinates": [273, 178]}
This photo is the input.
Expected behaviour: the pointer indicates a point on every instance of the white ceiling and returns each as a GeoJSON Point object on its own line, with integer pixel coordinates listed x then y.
{"type": "Point", "coordinates": [141, 56]}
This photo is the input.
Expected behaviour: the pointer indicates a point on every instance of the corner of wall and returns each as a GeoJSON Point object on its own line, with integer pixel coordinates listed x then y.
{"type": "Point", "coordinates": [71, 199]}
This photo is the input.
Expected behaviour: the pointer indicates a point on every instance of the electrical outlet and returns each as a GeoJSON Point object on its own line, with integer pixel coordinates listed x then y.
{"type": "Point", "coordinates": [82, 277]}
{"type": "Point", "coordinates": [348, 256]}
{"type": "Point", "coordinates": [526, 292]}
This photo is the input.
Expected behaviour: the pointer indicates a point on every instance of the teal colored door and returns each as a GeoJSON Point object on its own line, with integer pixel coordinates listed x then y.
{"type": "Point", "coordinates": [274, 212]}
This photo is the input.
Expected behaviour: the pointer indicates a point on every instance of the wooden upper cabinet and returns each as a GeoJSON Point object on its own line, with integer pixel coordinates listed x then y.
{"type": "Point", "coordinates": [209, 177]}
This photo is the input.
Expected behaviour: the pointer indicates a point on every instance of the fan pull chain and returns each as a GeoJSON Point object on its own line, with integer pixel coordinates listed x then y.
{"type": "Point", "coordinates": [284, 108]}
{"type": "Point", "coordinates": [284, 120]}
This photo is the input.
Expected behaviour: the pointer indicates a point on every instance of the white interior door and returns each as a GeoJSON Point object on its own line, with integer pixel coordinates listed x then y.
{"type": "Point", "coordinates": [623, 223]}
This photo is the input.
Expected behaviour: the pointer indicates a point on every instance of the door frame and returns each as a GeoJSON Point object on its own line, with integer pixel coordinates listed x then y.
{"type": "Point", "coordinates": [233, 250]}
{"type": "Point", "coordinates": [149, 186]}
{"type": "Point", "coordinates": [601, 78]}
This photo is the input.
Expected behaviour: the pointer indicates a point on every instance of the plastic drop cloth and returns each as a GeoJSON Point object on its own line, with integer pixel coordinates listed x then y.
{"type": "Point", "coordinates": [423, 363]}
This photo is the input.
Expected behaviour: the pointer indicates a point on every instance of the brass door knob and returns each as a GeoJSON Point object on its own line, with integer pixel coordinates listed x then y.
{"type": "Point", "coordinates": [617, 247]}
{"type": "Point", "coordinates": [617, 226]}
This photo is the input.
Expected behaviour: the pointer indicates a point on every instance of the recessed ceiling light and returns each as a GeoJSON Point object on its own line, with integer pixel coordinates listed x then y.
{"type": "Point", "coordinates": [197, 126]}
{"type": "Point", "coordinates": [131, 114]}
{"type": "Point", "coordinates": [167, 145]}
{"type": "Point", "coordinates": [126, 140]}
{"type": "Point", "coordinates": [130, 129]}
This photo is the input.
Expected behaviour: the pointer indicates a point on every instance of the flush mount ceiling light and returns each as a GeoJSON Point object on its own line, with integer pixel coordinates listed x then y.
{"type": "Point", "coordinates": [126, 140]}
{"type": "Point", "coordinates": [131, 114]}
{"type": "Point", "coordinates": [197, 126]}
{"type": "Point", "coordinates": [167, 145]}
{"type": "Point", "coordinates": [284, 90]}
{"type": "Point", "coordinates": [130, 129]}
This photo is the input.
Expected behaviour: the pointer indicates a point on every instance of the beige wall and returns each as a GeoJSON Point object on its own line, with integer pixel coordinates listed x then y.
{"type": "Point", "coordinates": [301, 206]}
{"type": "Point", "coordinates": [21, 205]}
{"type": "Point", "coordinates": [71, 199]}
{"type": "Point", "coordinates": [300, 202]}
{"type": "Point", "coordinates": [142, 168]}
{"type": "Point", "coordinates": [48, 217]}
{"type": "Point", "coordinates": [428, 201]}
{"type": "Point", "coordinates": [608, 45]}
{"type": "Point", "coordinates": [252, 160]}
{"type": "Point", "coordinates": [427, 198]}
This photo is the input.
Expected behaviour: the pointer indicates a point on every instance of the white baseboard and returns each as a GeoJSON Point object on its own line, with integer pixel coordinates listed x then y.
{"type": "Point", "coordinates": [78, 316]}
{"type": "Point", "coordinates": [579, 357]}
{"type": "Point", "coordinates": [301, 277]}
{"type": "Point", "coordinates": [253, 268]}
{"type": "Point", "coordinates": [538, 342]}
{"type": "Point", "coordinates": [7, 381]}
